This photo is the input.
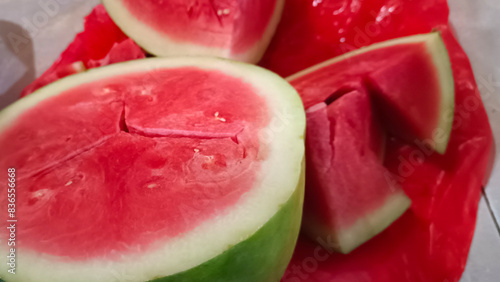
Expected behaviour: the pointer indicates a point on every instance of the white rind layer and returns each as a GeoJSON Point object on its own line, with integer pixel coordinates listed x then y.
{"type": "Point", "coordinates": [160, 44]}
{"type": "Point", "coordinates": [278, 180]}
{"type": "Point", "coordinates": [439, 53]}
{"type": "Point", "coordinates": [365, 228]}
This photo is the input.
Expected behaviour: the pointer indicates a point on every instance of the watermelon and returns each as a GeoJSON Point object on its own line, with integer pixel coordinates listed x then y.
{"type": "Point", "coordinates": [236, 29]}
{"type": "Point", "coordinates": [349, 198]}
{"type": "Point", "coordinates": [180, 169]}
{"type": "Point", "coordinates": [411, 81]}
{"type": "Point", "coordinates": [100, 43]}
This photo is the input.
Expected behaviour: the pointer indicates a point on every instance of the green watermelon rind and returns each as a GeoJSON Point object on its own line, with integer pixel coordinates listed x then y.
{"type": "Point", "coordinates": [281, 174]}
{"type": "Point", "coordinates": [441, 59]}
{"type": "Point", "coordinates": [442, 62]}
{"type": "Point", "coordinates": [246, 265]}
{"type": "Point", "coordinates": [365, 228]}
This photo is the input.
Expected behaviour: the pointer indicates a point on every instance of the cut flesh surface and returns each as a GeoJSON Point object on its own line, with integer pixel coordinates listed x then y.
{"type": "Point", "coordinates": [410, 79]}
{"type": "Point", "coordinates": [349, 196]}
{"type": "Point", "coordinates": [237, 29]}
{"type": "Point", "coordinates": [132, 169]}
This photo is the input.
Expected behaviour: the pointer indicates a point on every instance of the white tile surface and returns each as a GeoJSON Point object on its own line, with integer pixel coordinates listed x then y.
{"type": "Point", "coordinates": [484, 257]}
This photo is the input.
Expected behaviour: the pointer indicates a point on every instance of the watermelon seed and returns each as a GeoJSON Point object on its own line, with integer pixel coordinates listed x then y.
{"type": "Point", "coordinates": [69, 183]}
{"type": "Point", "coordinates": [40, 193]}
{"type": "Point", "coordinates": [105, 91]}
{"type": "Point", "coordinates": [219, 118]}
{"type": "Point", "coordinates": [223, 12]}
{"type": "Point", "coordinates": [152, 185]}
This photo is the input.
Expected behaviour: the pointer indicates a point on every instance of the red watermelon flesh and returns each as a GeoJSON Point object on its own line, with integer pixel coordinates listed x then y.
{"type": "Point", "coordinates": [353, 69]}
{"type": "Point", "coordinates": [237, 29]}
{"type": "Point", "coordinates": [180, 116]}
{"type": "Point", "coordinates": [115, 221]}
{"type": "Point", "coordinates": [431, 241]}
{"type": "Point", "coordinates": [348, 196]}
{"type": "Point", "coordinates": [117, 160]}
{"type": "Point", "coordinates": [236, 23]}
{"type": "Point", "coordinates": [101, 43]}
{"type": "Point", "coordinates": [410, 78]}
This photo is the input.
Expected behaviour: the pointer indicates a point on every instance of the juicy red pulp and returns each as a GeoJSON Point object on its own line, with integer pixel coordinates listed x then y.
{"type": "Point", "coordinates": [345, 177]}
{"type": "Point", "coordinates": [414, 107]}
{"type": "Point", "coordinates": [236, 24]}
{"type": "Point", "coordinates": [123, 163]}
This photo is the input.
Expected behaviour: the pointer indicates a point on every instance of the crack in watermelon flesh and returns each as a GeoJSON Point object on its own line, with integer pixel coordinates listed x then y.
{"type": "Point", "coordinates": [113, 187]}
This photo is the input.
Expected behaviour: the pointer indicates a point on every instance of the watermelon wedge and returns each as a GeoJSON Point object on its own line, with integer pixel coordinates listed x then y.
{"type": "Point", "coordinates": [181, 169]}
{"type": "Point", "coordinates": [349, 198]}
{"type": "Point", "coordinates": [411, 80]}
{"type": "Point", "coordinates": [236, 29]}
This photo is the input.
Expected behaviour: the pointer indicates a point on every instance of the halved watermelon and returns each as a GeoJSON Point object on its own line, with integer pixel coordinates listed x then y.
{"type": "Point", "coordinates": [349, 198]}
{"type": "Point", "coordinates": [185, 169]}
{"type": "Point", "coordinates": [236, 29]}
{"type": "Point", "coordinates": [411, 80]}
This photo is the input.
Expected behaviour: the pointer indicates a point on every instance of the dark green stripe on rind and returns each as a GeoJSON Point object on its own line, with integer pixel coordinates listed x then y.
{"type": "Point", "coordinates": [261, 258]}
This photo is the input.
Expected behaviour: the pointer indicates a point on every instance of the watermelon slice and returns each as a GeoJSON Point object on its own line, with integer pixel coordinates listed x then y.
{"type": "Point", "coordinates": [184, 169]}
{"type": "Point", "coordinates": [236, 29]}
{"type": "Point", "coordinates": [349, 198]}
{"type": "Point", "coordinates": [411, 80]}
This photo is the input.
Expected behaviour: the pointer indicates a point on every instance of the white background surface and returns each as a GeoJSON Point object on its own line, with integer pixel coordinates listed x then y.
{"type": "Point", "coordinates": [476, 24]}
